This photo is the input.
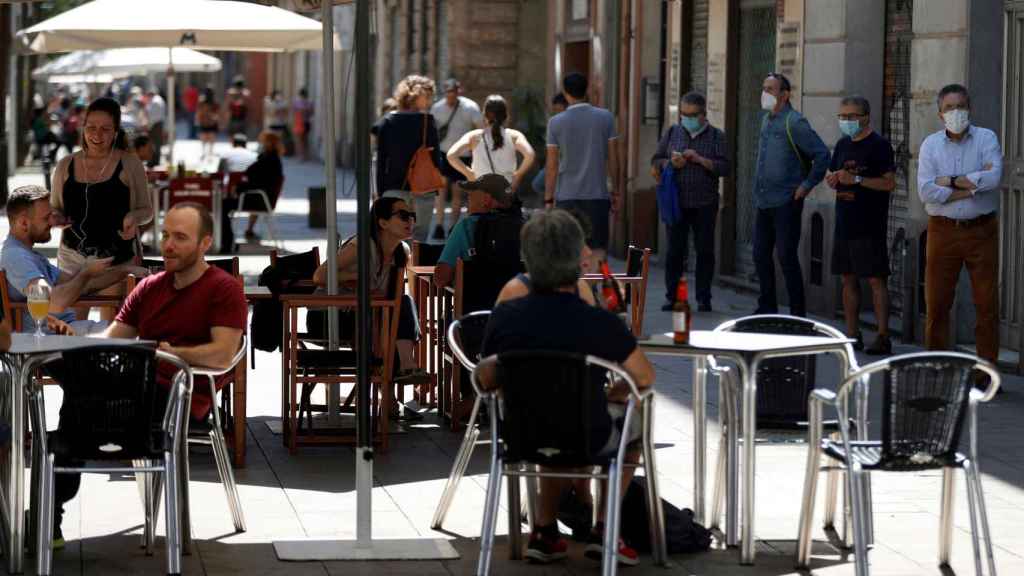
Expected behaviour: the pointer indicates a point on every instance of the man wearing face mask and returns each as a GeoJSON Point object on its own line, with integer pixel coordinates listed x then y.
{"type": "Point", "coordinates": [958, 176]}
{"type": "Point", "coordinates": [791, 161]}
{"type": "Point", "coordinates": [863, 173]}
{"type": "Point", "coordinates": [698, 153]}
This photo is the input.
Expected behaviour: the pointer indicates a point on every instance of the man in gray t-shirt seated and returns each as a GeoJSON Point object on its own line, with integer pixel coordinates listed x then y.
{"type": "Point", "coordinates": [582, 154]}
{"type": "Point", "coordinates": [31, 217]}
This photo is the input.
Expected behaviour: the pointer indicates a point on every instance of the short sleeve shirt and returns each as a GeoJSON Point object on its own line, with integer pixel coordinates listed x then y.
{"type": "Point", "coordinates": [562, 321]}
{"type": "Point", "coordinates": [467, 116]}
{"type": "Point", "coordinates": [460, 241]}
{"type": "Point", "coordinates": [867, 214]}
{"type": "Point", "coordinates": [23, 265]}
{"type": "Point", "coordinates": [161, 312]}
{"type": "Point", "coordinates": [581, 134]}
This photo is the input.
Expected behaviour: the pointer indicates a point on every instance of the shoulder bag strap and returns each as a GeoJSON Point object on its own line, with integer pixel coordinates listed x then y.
{"type": "Point", "coordinates": [451, 115]}
{"type": "Point", "coordinates": [487, 149]}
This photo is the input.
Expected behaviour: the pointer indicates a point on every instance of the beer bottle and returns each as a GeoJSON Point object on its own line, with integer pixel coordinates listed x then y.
{"type": "Point", "coordinates": [613, 301]}
{"type": "Point", "coordinates": [681, 316]}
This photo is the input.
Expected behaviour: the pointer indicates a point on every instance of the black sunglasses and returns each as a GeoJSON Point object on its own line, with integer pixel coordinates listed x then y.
{"type": "Point", "coordinates": [405, 215]}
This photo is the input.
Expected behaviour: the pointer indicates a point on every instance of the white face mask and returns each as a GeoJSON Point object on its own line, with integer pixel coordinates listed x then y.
{"type": "Point", "coordinates": [957, 121]}
{"type": "Point", "coordinates": [768, 101]}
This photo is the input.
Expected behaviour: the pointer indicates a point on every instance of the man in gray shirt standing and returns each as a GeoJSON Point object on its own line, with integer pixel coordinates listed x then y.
{"type": "Point", "coordinates": [454, 115]}
{"type": "Point", "coordinates": [582, 154]}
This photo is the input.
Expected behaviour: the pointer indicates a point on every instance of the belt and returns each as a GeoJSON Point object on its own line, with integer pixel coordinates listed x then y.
{"type": "Point", "coordinates": [966, 222]}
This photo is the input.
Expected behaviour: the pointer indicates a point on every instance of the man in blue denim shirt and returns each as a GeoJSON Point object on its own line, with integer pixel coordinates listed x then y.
{"type": "Point", "coordinates": [791, 161]}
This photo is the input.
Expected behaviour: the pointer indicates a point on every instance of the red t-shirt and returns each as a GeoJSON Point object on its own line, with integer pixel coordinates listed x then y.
{"type": "Point", "coordinates": [161, 312]}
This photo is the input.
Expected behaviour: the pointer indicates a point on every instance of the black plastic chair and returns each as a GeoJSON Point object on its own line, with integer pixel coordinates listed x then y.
{"type": "Point", "coordinates": [121, 414]}
{"type": "Point", "coordinates": [465, 338]}
{"type": "Point", "coordinates": [783, 388]}
{"type": "Point", "coordinates": [543, 414]}
{"type": "Point", "coordinates": [926, 397]}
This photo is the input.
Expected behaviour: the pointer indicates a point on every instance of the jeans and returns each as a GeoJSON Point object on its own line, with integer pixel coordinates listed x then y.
{"type": "Point", "coordinates": [778, 229]}
{"type": "Point", "coordinates": [701, 220]}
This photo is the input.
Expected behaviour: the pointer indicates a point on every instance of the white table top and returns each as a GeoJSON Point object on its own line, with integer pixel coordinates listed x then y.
{"type": "Point", "coordinates": [24, 343]}
{"type": "Point", "coordinates": [710, 342]}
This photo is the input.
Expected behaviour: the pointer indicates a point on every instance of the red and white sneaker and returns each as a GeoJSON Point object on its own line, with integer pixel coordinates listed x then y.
{"type": "Point", "coordinates": [595, 551]}
{"type": "Point", "coordinates": [543, 550]}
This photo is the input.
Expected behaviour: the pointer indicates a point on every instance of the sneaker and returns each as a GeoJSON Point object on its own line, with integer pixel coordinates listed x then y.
{"type": "Point", "coordinates": [595, 549]}
{"type": "Point", "coordinates": [251, 236]}
{"type": "Point", "coordinates": [626, 555]}
{"type": "Point", "coordinates": [882, 346]}
{"type": "Point", "coordinates": [858, 341]}
{"type": "Point", "coordinates": [438, 232]}
{"type": "Point", "coordinates": [544, 549]}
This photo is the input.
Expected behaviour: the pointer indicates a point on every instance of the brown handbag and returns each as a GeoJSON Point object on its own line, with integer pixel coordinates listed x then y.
{"type": "Point", "coordinates": [423, 176]}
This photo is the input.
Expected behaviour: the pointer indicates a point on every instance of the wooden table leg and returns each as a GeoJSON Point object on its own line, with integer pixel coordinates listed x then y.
{"type": "Point", "coordinates": [238, 408]}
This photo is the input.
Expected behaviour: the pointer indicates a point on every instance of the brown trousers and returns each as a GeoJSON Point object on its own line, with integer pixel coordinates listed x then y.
{"type": "Point", "coordinates": [950, 248]}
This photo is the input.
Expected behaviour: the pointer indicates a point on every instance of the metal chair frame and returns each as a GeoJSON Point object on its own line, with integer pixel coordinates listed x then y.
{"type": "Point", "coordinates": [856, 477]}
{"type": "Point", "coordinates": [727, 415]}
{"type": "Point", "coordinates": [217, 443]}
{"type": "Point", "coordinates": [472, 433]}
{"type": "Point", "coordinates": [174, 422]}
{"type": "Point", "coordinates": [500, 468]}
{"type": "Point", "coordinates": [268, 213]}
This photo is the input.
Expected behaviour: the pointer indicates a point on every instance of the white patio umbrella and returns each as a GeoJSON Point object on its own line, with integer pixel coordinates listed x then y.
{"type": "Point", "coordinates": [108, 65]}
{"type": "Point", "coordinates": [198, 24]}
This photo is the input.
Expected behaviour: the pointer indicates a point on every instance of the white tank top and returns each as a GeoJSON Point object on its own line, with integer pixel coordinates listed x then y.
{"type": "Point", "coordinates": [504, 158]}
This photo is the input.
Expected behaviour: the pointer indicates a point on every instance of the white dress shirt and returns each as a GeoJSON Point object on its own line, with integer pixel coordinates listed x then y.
{"type": "Point", "coordinates": [977, 156]}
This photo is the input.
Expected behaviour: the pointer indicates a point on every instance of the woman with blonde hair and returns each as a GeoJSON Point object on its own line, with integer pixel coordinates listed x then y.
{"type": "Point", "coordinates": [399, 135]}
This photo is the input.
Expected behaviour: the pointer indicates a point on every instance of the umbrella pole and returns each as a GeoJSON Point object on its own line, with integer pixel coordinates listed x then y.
{"type": "Point", "coordinates": [364, 547]}
{"type": "Point", "coordinates": [170, 121]}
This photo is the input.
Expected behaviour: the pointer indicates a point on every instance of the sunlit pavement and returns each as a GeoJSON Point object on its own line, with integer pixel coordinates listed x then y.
{"type": "Point", "coordinates": [312, 494]}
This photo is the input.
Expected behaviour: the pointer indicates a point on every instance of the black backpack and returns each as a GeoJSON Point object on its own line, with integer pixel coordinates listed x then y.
{"type": "Point", "coordinates": [682, 534]}
{"type": "Point", "coordinates": [267, 324]}
{"type": "Point", "coordinates": [496, 236]}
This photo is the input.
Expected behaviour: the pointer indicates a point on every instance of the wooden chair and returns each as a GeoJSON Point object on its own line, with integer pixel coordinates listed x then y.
{"type": "Point", "coordinates": [10, 315]}
{"type": "Point", "coordinates": [303, 367]}
{"type": "Point", "coordinates": [634, 281]}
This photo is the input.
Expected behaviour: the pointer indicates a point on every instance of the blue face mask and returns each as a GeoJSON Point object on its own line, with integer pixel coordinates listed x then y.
{"type": "Point", "coordinates": [849, 127]}
{"type": "Point", "coordinates": [692, 125]}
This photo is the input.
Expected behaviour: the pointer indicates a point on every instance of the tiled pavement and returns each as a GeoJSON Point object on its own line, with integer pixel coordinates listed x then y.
{"type": "Point", "coordinates": [312, 495]}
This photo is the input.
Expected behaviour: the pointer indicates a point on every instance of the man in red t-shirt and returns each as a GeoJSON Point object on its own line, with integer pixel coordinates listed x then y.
{"type": "Point", "coordinates": [195, 311]}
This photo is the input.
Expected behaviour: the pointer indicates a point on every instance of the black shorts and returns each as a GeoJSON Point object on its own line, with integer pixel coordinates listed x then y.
{"type": "Point", "coordinates": [864, 257]}
{"type": "Point", "coordinates": [451, 173]}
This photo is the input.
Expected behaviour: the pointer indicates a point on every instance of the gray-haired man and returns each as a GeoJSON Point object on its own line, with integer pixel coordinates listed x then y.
{"type": "Point", "coordinates": [553, 317]}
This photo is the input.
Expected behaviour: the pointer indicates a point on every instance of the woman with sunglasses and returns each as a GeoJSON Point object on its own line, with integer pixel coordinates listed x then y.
{"type": "Point", "coordinates": [391, 225]}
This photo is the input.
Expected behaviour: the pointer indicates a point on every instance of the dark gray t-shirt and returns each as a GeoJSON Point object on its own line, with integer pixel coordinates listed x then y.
{"type": "Point", "coordinates": [581, 134]}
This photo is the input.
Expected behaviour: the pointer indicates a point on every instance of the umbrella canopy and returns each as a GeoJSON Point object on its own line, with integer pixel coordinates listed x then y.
{"type": "Point", "coordinates": [200, 24]}
{"type": "Point", "coordinates": [121, 62]}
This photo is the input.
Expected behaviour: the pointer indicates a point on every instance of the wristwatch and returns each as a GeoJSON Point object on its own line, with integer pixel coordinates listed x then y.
{"type": "Point", "coordinates": [857, 179]}
{"type": "Point", "coordinates": [952, 181]}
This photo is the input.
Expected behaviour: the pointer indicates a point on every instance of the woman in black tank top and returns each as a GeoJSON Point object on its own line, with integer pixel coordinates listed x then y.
{"type": "Point", "coordinates": [101, 191]}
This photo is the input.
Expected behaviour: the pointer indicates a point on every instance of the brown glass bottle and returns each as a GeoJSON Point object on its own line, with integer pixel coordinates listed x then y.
{"type": "Point", "coordinates": [681, 316]}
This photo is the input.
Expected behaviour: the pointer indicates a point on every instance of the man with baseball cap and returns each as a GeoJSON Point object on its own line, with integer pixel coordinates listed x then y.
{"type": "Point", "coordinates": [493, 217]}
